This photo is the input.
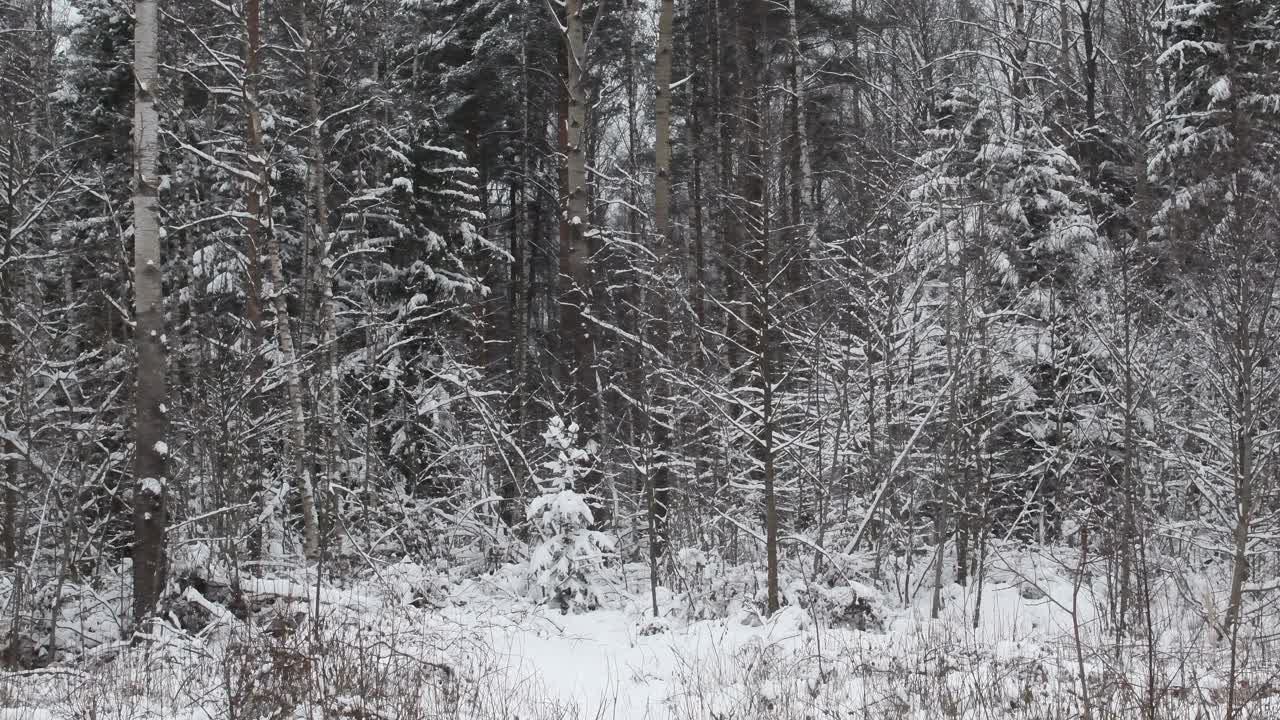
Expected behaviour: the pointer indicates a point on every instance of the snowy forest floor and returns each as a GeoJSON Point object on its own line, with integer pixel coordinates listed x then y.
{"type": "Point", "coordinates": [409, 645]}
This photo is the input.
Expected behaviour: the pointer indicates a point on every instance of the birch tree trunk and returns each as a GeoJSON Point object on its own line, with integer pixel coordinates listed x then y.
{"type": "Point", "coordinates": [297, 430]}
{"type": "Point", "coordinates": [318, 200]}
{"type": "Point", "coordinates": [149, 519]}
{"type": "Point", "coordinates": [662, 117]}
{"type": "Point", "coordinates": [801, 165]}
{"type": "Point", "coordinates": [297, 426]}
{"type": "Point", "coordinates": [253, 223]}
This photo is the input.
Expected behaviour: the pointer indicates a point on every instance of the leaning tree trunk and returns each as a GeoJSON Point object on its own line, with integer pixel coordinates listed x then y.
{"type": "Point", "coordinates": [149, 557]}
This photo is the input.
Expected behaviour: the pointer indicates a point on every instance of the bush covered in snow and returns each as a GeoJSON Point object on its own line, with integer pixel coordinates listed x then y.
{"type": "Point", "coordinates": [569, 557]}
{"type": "Point", "coordinates": [713, 589]}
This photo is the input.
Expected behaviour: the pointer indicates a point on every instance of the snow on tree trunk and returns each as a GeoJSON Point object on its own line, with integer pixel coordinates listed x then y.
{"type": "Point", "coordinates": [297, 422]}
{"type": "Point", "coordinates": [577, 343]}
{"type": "Point", "coordinates": [150, 451]}
{"type": "Point", "coordinates": [660, 482]}
{"type": "Point", "coordinates": [330, 399]}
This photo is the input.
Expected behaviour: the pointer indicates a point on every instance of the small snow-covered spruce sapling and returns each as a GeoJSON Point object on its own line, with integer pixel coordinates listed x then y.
{"type": "Point", "coordinates": [569, 559]}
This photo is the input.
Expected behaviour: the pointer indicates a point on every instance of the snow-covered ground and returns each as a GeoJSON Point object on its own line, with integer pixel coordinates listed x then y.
{"type": "Point", "coordinates": [477, 651]}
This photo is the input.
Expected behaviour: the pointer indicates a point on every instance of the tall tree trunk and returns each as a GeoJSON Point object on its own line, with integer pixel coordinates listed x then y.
{"type": "Point", "coordinates": [732, 238]}
{"type": "Point", "coordinates": [1248, 343]}
{"type": "Point", "coordinates": [253, 223]}
{"type": "Point", "coordinates": [801, 166]}
{"type": "Point", "coordinates": [12, 477]}
{"type": "Point", "coordinates": [12, 484]}
{"type": "Point", "coordinates": [755, 200]}
{"type": "Point", "coordinates": [696, 46]}
{"type": "Point", "coordinates": [1064, 54]}
{"type": "Point", "coordinates": [1142, 207]}
{"type": "Point", "coordinates": [575, 252]}
{"type": "Point", "coordinates": [575, 258]}
{"type": "Point", "coordinates": [660, 482]}
{"type": "Point", "coordinates": [9, 360]}
{"type": "Point", "coordinates": [297, 423]}
{"type": "Point", "coordinates": [512, 489]}
{"type": "Point", "coordinates": [631, 313]}
{"type": "Point", "coordinates": [1090, 59]}
{"type": "Point", "coordinates": [1246, 303]}
{"type": "Point", "coordinates": [699, 242]}
{"type": "Point", "coordinates": [662, 118]}
{"type": "Point", "coordinates": [253, 278]}
{"type": "Point", "coordinates": [330, 418]}
{"type": "Point", "coordinates": [150, 453]}
{"type": "Point", "coordinates": [1020, 44]}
